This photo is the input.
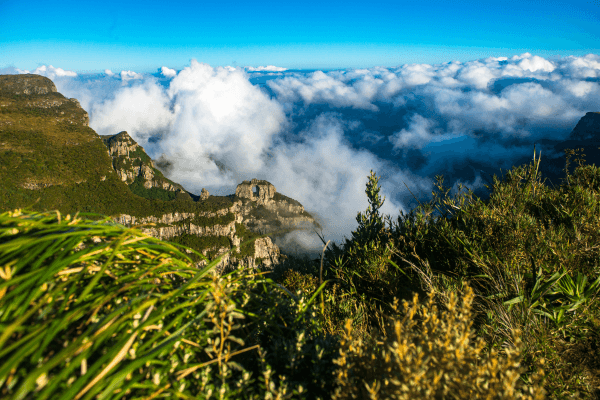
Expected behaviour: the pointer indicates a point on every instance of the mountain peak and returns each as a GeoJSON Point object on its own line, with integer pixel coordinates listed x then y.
{"type": "Point", "coordinates": [131, 162]}
{"type": "Point", "coordinates": [588, 128]}
{"type": "Point", "coordinates": [26, 84]}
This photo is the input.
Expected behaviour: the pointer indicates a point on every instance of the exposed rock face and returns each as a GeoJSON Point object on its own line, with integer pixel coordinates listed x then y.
{"type": "Point", "coordinates": [120, 144]}
{"type": "Point", "coordinates": [204, 194]}
{"type": "Point", "coordinates": [130, 161]}
{"type": "Point", "coordinates": [264, 248]}
{"type": "Point", "coordinates": [43, 95]}
{"type": "Point", "coordinates": [268, 210]}
{"type": "Point", "coordinates": [263, 211]}
{"type": "Point", "coordinates": [264, 191]}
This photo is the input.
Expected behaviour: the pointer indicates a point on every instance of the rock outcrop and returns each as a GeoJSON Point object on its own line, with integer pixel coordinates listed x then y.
{"type": "Point", "coordinates": [265, 252]}
{"type": "Point", "coordinates": [264, 191]}
{"type": "Point", "coordinates": [270, 212]}
{"type": "Point", "coordinates": [26, 84]}
{"type": "Point", "coordinates": [204, 194]}
{"type": "Point", "coordinates": [43, 94]}
{"type": "Point", "coordinates": [265, 210]}
{"type": "Point", "coordinates": [256, 205]}
{"type": "Point", "coordinates": [130, 161]}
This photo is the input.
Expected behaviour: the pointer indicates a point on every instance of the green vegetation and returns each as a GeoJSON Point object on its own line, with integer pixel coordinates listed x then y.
{"type": "Point", "coordinates": [280, 197]}
{"type": "Point", "coordinates": [154, 193]}
{"type": "Point", "coordinates": [127, 316]}
{"type": "Point", "coordinates": [511, 306]}
{"type": "Point", "coordinates": [49, 149]}
{"type": "Point", "coordinates": [530, 254]}
{"type": "Point", "coordinates": [247, 237]}
{"type": "Point", "coordinates": [141, 155]}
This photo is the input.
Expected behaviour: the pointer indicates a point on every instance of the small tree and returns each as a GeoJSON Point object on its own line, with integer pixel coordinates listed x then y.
{"type": "Point", "coordinates": [370, 223]}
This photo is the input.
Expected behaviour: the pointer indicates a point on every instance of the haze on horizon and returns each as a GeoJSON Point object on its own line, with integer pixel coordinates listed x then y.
{"type": "Point", "coordinates": [319, 96]}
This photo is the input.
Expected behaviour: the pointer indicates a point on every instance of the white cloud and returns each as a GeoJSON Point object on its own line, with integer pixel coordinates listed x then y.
{"type": "Point", "coordinates": [582, 67]}
{"type": "Point", "coordinates": [219, 114]}
{"type": "Point", "coordinates": [579, 89]}
{"type": "Point", "coordinates": [53, 73]}
{"type": "Point", "coordinates": [267, 68]}
{"type": "Point", "coordinates": [450, 118]}
{"type": "Point", "coordinates": [536, 63]}
{"type": "Point", "coordinates": [417, 136]}
{"type": "Point", "coordinates": [320, 88]}
{"type": "Point", "coordinates": [476, 75]}
{"type": "Point", "coordinates": [129, 75]}
{"type": "Point", "coordinates": [329, 177]}
{"type": "Point", "coordinates": [168, 72]}
{"type": "Point", "coordinates": [141, 110]}
{"type": "Point", "coordinates": [108, 72]}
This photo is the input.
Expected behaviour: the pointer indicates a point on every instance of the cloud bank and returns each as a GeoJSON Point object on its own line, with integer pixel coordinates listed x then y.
{"type": "Point", "coordinates": [269, 68]}
{"type": "Point", "coordinates": [316, 136]}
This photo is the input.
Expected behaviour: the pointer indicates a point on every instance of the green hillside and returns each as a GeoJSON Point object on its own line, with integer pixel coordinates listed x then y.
{"type": "Point", "coordinates": [48, 153]}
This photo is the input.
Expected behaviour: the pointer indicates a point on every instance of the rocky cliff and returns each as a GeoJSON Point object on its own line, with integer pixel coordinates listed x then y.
{"type": "Point", "coordinates": [131, 162]}
{"type": "Point", "coordinates": [175, 225]}
{"type": "Point", "coordinates": [50, 159]}
{"type": "Point", "coordinates": [256, 205]}
{"type": "Point", "coordinates": [264, 209]}
{"type": "Point", "coordinates": [26, 84]}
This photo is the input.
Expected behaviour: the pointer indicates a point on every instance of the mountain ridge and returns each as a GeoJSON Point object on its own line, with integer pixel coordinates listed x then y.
{"type": "Point", "coordinates": [50, 159]}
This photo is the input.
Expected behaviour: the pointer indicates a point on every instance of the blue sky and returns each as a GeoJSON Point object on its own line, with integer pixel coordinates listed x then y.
{"type": "Point", "coordinates": [141, 36]}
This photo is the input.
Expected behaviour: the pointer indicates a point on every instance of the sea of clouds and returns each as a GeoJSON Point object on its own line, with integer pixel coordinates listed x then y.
{"type": "Point", "coordinates": [316, 135]}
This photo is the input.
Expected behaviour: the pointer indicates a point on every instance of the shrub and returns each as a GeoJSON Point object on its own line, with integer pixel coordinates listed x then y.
{"type": "Point", "coordinates": [430, 356]}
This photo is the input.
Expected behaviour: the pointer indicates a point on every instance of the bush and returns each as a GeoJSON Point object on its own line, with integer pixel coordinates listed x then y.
{"type": "Point", "coordinates": [430, 357]}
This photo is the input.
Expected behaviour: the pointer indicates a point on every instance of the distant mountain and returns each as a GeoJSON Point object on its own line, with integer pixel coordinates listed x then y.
{"type": "Point", "coordinates": [585, 136]}
{"type": "Point", "coordinates": [49, 152]}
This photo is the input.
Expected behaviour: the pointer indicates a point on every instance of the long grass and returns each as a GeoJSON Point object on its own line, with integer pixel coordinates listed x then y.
{"type": "Point", "coordinates": [94, 310]}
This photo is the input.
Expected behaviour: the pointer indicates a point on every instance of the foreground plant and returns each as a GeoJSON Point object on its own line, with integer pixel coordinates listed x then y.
{"type": "Point", "coordinates": [95, 310]}
{"type": "Point", "coordinates": [428, 355]}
